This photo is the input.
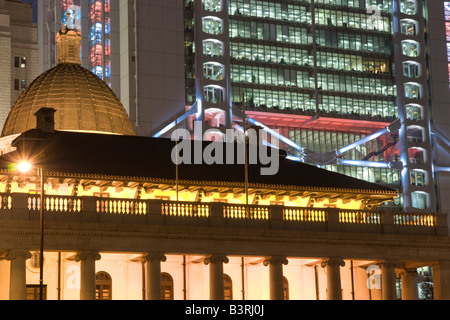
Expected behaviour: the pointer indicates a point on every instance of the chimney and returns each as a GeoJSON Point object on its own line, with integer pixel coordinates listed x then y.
{"type": "Point", "coordinates": [45, 120]}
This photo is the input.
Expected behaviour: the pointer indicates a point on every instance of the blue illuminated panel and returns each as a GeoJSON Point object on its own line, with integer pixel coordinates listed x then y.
{"type": "Point", "coordinates": [447, 32]}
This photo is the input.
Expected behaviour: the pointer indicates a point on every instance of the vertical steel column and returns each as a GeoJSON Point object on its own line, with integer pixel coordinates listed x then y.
{"type": "Point", "coordinates": [407, 145]}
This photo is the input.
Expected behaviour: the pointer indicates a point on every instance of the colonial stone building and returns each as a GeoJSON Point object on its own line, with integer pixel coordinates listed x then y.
{"type": "Point", "coordinates": [99, 213]}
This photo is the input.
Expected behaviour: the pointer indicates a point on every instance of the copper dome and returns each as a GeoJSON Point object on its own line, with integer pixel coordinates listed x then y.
{"type": "Point", "coordinates": [83, 102]}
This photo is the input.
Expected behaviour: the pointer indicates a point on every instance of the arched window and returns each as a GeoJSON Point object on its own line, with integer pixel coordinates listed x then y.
{"type": "Point", "coordinates": [213, 71]}
{"type": "Point", "coordinates": [166, 286]}
{"type": "Point", "coordinates": [420, 200]}
{"type": "Point", "coordinates": [418, 177]}
{"type": "Point", "coordinates": [410, 48]}
{"type": "Point", "coordinates": [408, 7]}
{"type": "Point", "coordinates": [413, 90]}
{"type": "Point", "coordinates": [414, 112]}
{"type": "Point", "coordinates": [411, 69]}
{"type": "Point", "coordinates": [227, 287]}
{"type": "Point", "coordinates": [213, 48]}
{"type": "Point", "coordinates": [286, 288]}
{"type": "Point", "coordinates": [409, 27]}
{"type": "Point", "coordinates": [212, 25]}
{"type": "Point", "coordinates": [212, 5]}
{"type": "Point", "coordinates": [103, 286]}
{"type": "Point", "coordinates": [213, 94]}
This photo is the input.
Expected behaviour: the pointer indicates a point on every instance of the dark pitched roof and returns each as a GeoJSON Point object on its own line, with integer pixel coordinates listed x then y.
{"type": "Point", "coordinates": [143, 158]}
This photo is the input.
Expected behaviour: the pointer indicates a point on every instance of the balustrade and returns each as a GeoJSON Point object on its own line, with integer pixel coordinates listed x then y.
{"type": "Point", "coordinates": [305, 214]}
{"type": "Point", "coordinates": [5, 202]}
{"type": "Point", "coordinates": [55, 203]}
{"type": "Point", "coordinates": [360, 217]}
{"type": "Point", "coordinates": [118, 206]}
{"type": "Point", "coordinates": [13, 206]}
{"type": "Point", "coordinates": [236, 211]}
{"type": "Point", "coordinates": [185, 209]}
{"type": "Point", "coordinates": [416, 220]}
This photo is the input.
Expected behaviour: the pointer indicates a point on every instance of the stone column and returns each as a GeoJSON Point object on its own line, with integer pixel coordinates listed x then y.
{"type": "Point", "coordinates": [216, 289]}
{"type": "Point", "coordinates": [333, 266]}
{"type": "Point", "coordinates": [388, 280]}
{"type": "Point", "coordinates": [441, 280]}
{"type": "Point", "coordinates": [153, 262]}
{"type": "Point", "coordinates": [87, 272]}
{"type": "Point", "coordinates": [409, 288]}
{"type": "Point", "coordinates": [276, 276]}
{"type": "Point", "coordinates": [18, 281]}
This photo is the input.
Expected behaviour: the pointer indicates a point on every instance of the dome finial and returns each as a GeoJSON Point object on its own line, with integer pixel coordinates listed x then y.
{"type": "Point", "coordinates": [69, 43]}
{"type": "Point", "coordinates": [68, 20]}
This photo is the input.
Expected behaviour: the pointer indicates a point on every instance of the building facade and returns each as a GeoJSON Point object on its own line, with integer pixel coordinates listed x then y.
{"type": "Point", "coordinates": [19, 53]}
{"type": "Point", "coordinates": [346, 84]}
{"type": "Point", "coordinates": [90, 211]}
{"type": "Point", "coordinates": [439, 95]}
{"type": "Point", "coordinates": [115, 232]}
{"type": "Point", "coordinates": [322, 73]}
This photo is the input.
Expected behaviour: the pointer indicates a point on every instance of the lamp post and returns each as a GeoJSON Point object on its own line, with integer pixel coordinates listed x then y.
{"type": "Point", "coordinates": [41, 254]}
{"type": "Point", "coordinates": [25, 167]}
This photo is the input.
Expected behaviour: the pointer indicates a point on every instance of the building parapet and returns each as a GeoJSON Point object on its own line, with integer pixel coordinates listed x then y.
{"type": "Point", "coordinates": [17, 206]}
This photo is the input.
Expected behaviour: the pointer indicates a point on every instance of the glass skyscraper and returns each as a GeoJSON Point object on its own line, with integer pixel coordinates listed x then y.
{"type": "Point", "coordinates": [344, 80]}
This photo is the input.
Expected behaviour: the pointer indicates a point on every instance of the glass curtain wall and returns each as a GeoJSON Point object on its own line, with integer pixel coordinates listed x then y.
{"type": "Point", "coordinates": [272, 62]}
{"type": "Point", "coordinates": [272, 59]}
{"type": "Point", "coordinates": [99, 39]}
{"type": "Point", "coordinates": [323, 141]}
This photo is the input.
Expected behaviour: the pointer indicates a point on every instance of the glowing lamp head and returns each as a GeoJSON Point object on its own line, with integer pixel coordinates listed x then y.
{"type": "Point", "coordinates": [24, 167]}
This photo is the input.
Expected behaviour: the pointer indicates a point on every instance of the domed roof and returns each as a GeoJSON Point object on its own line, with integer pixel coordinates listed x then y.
{"type": "Point", "coordinates": [83, 102]}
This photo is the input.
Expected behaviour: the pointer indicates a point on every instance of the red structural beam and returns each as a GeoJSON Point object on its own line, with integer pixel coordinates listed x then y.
{"type": "Point", "coordinates": [282, 120]}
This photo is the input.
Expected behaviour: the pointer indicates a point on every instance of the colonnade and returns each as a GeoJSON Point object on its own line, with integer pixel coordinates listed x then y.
{"type": "Point", "coordinates": [87, 260]}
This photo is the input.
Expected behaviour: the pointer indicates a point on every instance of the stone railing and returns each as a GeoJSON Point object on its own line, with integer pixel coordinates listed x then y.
{"type": "Point", "coordinates": [55, 203]}
{"type": "Point", "coordinates": [243, 212]}
{"type": "Point", "coordinates": [305, 214]}
{"type": "Point", "coordinates": [185, 209]}
{"type": "Point", "coordinates": [157, 212]}
{"type": "Point", "coordinates": [126, 207]}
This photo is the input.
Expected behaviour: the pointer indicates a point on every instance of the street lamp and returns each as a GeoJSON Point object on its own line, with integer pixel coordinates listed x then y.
{"type": "Point", "coordinates": [25, 167]}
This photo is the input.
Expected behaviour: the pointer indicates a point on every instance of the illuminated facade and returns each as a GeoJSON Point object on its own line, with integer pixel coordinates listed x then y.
{"type": "Point", "coordinates": [321, 73]}
{"type": "Point", "coordinates": [117, 232]}
{"type": "Point", "coordinates": [123, 222]}
{"type": "Point", "coordinates": [447, 31]}
{"type": "Point", "coordinates": [100, 39]}
{"type": "Point", "coordinates": [346, 83]}
{"type": "Point", "coordinates": [439, 97]}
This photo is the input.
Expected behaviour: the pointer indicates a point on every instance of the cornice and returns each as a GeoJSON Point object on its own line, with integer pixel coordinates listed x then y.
{"type": "Point", "coordinates": [231, 184]}
{"type": "Point", "coordinates": [204, 237]}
